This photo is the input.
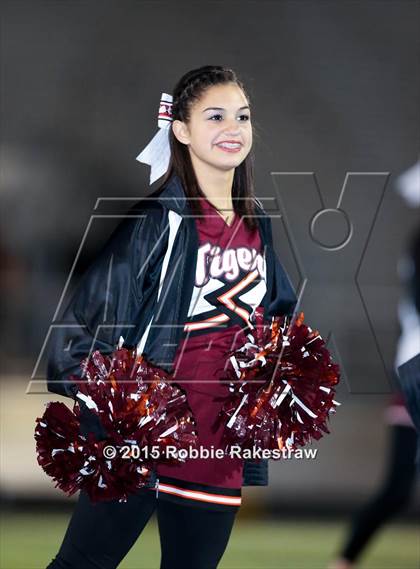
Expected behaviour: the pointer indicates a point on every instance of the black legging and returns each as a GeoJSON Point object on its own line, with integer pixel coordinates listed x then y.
{"type": "Point", "coordinates": [100, 535]}
{"type": "Point", "coordinates": [392, 496]}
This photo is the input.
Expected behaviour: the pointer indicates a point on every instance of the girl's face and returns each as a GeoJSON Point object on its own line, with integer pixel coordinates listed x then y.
{"type": "Point", "coordinates": [221, 115]}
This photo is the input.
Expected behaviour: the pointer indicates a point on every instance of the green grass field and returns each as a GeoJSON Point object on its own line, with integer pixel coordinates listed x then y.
{"type": "Point", "coordinates": [30, 542]}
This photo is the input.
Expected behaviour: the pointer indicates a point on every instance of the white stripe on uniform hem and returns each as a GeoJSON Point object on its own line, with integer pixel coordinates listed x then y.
{"type": "Point", "coordinates": [202, 496]}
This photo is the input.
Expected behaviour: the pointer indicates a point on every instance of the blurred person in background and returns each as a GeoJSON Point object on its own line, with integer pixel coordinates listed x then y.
{"type": "Point", "coordinates": [400, 476]}
{"type": "Point", "coordinates": [408, 365]}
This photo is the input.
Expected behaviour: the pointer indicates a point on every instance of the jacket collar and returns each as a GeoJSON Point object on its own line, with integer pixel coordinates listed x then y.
{"type": "Point", "coordinates": [172, 195]}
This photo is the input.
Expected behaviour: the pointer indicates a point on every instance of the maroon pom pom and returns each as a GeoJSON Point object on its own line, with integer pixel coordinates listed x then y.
{"type": "Point", "coordinates": [282, 387]}
{"type": "Point", "coordinates": [140, 410]}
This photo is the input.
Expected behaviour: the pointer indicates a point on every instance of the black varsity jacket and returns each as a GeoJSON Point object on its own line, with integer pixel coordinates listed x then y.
{"type": "Point", "coordinates": [117, 297]}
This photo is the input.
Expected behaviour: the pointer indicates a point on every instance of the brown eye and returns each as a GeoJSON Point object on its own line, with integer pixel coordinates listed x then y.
{"type": "Point", "coordinates": [246, 117]}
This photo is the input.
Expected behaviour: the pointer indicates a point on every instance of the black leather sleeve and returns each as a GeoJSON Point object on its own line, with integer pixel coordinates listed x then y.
{"type": "Point", "coordinates": [106, 300]}
{"type": "Point", "coordinates": [283, 297]}
{"type": "Point", "coordinates": [283, 300]}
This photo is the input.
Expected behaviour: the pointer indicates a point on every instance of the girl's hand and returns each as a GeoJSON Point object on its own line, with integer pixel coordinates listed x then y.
{"type": "Point", "coordinates": [90, 422]}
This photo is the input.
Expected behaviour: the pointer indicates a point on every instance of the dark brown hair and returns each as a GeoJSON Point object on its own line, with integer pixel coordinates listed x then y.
{"type": "Point", "coordinates": [187, 91]}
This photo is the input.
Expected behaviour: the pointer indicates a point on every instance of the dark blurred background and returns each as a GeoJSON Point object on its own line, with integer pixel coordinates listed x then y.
{"type": "Point", "coordinates": [334, 88]}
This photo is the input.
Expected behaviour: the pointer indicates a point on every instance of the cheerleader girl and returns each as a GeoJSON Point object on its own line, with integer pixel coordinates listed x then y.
{"type": "Point", "coordinates": [209, 162]}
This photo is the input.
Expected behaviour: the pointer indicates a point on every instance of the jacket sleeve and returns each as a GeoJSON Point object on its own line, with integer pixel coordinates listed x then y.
{"type": "Point", "coordinates": [106, 297]}
{"type": "Point", "coordinates": [283, 297]}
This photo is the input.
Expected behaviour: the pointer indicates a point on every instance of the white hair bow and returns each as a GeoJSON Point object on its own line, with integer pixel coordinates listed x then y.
{"type": "Point", "coordinates": [158, 152]}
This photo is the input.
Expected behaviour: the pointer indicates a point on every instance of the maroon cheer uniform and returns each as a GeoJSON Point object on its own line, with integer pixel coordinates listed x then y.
{"type": "Point", "coordinates": [230, 283]}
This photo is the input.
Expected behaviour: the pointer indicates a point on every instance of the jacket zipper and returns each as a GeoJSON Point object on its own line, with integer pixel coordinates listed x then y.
{"type": "Point", "coordinates": [157, 487]}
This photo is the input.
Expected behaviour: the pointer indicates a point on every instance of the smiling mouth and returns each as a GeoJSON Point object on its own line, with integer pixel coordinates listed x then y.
{"type": "Point", "coordinates": [230, 146]}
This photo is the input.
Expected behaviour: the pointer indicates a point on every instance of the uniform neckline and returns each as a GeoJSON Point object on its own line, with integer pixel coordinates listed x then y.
{"type": "Point", "coordinates": [214, 208]}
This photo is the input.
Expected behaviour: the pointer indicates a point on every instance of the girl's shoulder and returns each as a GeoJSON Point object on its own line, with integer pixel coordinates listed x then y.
{"type": "Point", "coordinates": [136, 236]}
{"type": "Point", "coordinates": [146, 217]}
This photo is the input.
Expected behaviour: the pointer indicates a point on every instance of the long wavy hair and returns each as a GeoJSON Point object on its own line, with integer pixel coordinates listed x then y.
{"type": "Point", "coordinates": [187, 91]}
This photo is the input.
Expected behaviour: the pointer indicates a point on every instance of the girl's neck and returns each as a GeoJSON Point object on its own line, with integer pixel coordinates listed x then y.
{"type": "Point", "coordinates": [217, 187]}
